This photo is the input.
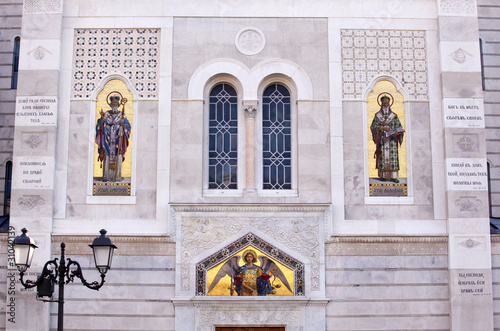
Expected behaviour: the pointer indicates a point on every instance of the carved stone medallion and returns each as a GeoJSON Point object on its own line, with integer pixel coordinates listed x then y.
{"type": "Point", "coordinates": [250, 41]}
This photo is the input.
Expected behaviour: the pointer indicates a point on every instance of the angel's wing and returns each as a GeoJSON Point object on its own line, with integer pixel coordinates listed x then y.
{"type": "Point", "coordinates": [229, 268]}
{"type": "Point", "coordinates": [267, 265]}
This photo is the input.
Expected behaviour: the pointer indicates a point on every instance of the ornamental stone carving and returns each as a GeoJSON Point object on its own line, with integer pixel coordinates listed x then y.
{"type": "Point", "coordinates": [34, 141]}
{"type": "Point", "coordinates": [460, 56]}
{"type": "Point", "coordinates": [250, 41]}
{"type": "Point", "coordinates": [466, 144]}
{"type": "Point", "coordinates": [202, 234]}
{"type": "Point", "coordinates": [30, 202]}
{"type": "Point", "coordinates": [471, 243]}
{"type": "Point", "coordinates": [469, 204]}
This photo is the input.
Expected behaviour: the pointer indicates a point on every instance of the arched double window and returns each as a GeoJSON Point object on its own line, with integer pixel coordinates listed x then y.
{"type": "Point", "coordinates": [276, 138]}
{"type": "Point", "coordinates": [223, 138]}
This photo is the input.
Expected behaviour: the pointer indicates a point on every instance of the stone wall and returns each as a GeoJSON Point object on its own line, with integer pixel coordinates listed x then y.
{"type": "Point", "coordinates": [489, 30]}
{"type": "Point", "coordinates": [10, 28]}
{"type": "Point", "coordinates": [137, 292]}
{"type": "Point", "coordinates": [385, 283]}
{"type": "Point", "coordinates": [495, 265]}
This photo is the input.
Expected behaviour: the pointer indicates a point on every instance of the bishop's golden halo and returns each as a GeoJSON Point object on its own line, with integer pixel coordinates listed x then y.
{"type": "Point", "coordinates": [112, 94]}
{"type": "Point", "coordinates": [385, 94]}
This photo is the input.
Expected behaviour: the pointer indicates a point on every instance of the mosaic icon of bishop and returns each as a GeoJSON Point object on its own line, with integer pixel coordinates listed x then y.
{"type": "Point", "coordinates": [112, 138]}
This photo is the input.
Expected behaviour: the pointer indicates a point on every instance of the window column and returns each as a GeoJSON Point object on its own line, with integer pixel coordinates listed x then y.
{"type": "Point", "coordinates": [250, 107]}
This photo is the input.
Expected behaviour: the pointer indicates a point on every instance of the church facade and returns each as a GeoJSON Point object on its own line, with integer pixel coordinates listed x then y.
{"type": "Point", "coordinates": [334, 163]}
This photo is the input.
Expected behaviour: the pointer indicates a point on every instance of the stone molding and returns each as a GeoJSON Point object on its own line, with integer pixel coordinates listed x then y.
{"type": "Point", "coordinates": [127, 246]}
{"type": "Point", "coordinates": [374, 246]}
{"type": "Point", "coordinates": [251, 311]}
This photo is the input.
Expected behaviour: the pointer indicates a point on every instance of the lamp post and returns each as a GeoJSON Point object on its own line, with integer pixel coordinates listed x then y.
{"type": "Point", "coordinates": [62, 273]}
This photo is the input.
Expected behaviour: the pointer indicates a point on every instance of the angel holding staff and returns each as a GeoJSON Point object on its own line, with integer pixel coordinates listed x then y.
{"type": "Point", "coordinates": [250, 279]}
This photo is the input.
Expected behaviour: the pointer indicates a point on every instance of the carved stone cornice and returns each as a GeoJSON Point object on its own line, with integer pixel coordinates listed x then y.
{"type": "Point", "coordinates": [373, 246]}
{"type": "Point", "coordinates": [246, 208]}
{"type": "Point", "coordinates": [127, 245]}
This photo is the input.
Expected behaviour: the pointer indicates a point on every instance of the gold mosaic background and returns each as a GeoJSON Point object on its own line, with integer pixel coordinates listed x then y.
{"type": "Point", "coordinates": [115, 85]}
{"type": "Point", "coordinates": [399, 108]}
{"type": "Point", "coordinates": [222, 288]}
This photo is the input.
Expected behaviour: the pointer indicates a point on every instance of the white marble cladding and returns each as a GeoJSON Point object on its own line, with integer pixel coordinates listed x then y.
{"type": "Point", "coordinates": [131, 52]}
{"type": "Point", "coordinates": [367, 54]}
{"type": "Point", "coordinates": [298, 231]}
{"type": "Point", "coordinates": [42, 6]}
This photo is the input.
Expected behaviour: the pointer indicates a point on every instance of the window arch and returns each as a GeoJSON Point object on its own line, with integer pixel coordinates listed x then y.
{"type": "Point", "coordinates": [223, 137]}
{"type": "Point", "coordinates": [276, 138]}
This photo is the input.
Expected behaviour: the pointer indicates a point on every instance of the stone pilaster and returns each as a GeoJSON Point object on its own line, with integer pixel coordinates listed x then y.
{"type": "Point", "coordinates": [34, 161]}
{"type": "Point", "coordinates": [250, 107]}
{"type": "Point", "coordinates": [466, 168]}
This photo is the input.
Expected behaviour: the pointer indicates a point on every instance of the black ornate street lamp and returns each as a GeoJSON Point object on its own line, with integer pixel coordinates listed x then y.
{"type": "Point", "coordinates": [62, 273]}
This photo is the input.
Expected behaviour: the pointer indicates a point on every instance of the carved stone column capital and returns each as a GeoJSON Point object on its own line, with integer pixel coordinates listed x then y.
{"type": "Point", "coordinates": [250, 107]}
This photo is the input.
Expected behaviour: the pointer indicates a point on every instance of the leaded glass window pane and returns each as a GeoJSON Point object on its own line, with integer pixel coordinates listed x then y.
{"type": "Point", "coordinates": [276, 138]}
{"type": "Point", "coordinates": [223, 138]}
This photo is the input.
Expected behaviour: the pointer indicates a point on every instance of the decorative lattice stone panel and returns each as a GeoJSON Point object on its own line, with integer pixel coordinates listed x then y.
{"type": "Point", "coordinates": [133, 53]}
{"type": "Point", "coordinates": [367, 54]}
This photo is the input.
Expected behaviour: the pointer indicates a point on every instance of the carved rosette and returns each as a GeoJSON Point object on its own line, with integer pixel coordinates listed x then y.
{"type": "Point", "coordinates": [466, 144]}
{"type": "Point", "coordinates": [250, 41]}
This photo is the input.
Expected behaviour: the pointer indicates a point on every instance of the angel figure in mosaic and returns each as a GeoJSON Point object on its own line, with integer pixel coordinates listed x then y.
{"type": "Point", "coordinates": [112, 138]}
{"type": "Point", "coordinates": [251, 279]}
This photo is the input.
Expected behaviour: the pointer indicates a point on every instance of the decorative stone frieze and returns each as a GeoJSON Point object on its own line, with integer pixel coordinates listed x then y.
{"type": "Point", "coordinates": [127, 246]}
{"type": "Point", "coordinates": [388, 246]}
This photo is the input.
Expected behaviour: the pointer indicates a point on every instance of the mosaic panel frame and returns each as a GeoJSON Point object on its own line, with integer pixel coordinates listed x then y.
{"type": "Point", "coordinates": [239, 245]}
{"type": "Point", "coordinates": [367, 54]}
